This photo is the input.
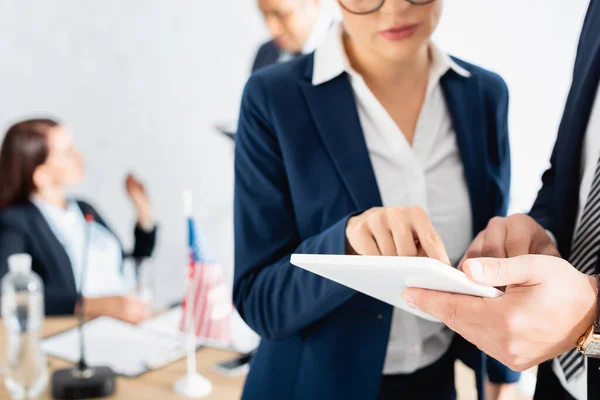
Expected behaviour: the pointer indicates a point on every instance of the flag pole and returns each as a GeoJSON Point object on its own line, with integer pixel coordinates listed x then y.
{"type": "Point", "coordinates": [190, 337]}
{"type": "Point", "coordinates": [192, 384]}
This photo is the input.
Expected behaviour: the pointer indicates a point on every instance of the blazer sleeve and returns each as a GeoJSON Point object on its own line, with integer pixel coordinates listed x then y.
{"type": "Point", "coordinates": [275, 298]}
{"type": "Point", "coordinates": [145, 241]}
{"type": "Point", "coordinates": [543, 210]}
{"type": "Point", "coordinates": [501, 154]}
{"type": "Point", "coordinates": [504, 146]}
{"type": "Point", "coordinates": [13, 241]}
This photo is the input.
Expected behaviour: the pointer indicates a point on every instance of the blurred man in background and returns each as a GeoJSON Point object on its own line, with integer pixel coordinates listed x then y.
{"type": "Point", "coordinates": [296, 26]}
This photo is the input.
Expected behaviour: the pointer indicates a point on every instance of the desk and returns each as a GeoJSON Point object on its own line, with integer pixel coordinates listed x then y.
{"type": "Point", "coordinates": [156, 384]}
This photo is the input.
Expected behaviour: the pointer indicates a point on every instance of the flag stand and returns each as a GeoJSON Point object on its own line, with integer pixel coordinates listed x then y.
{"type": "Point", "coordinates": [192, 384]}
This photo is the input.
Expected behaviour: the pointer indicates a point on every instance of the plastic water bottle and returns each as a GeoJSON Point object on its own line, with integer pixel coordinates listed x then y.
{"type": "Point", "coordinates": [26, 372]}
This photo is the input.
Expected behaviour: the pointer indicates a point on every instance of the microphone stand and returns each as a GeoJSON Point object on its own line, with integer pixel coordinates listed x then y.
{"type": "Point", "coordinates": [82, 381]}
{"type": "Point", "coordinates": [79, 304]}
{"type": "Point", "coordinates": [137, 263]}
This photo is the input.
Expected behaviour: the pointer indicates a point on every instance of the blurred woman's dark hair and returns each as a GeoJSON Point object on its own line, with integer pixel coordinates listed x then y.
{"type": "Point", "coordinates": [24, 148]}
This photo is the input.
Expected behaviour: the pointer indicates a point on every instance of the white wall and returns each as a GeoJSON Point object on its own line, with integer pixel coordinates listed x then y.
{"type": "Point", "coordinates": [531, 44]}
{"type": "Point", "coordinates": [142, 82]}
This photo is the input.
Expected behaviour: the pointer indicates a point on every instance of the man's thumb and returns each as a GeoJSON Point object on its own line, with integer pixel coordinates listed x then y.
{"type": "Point", "coordinates": [499, 272]}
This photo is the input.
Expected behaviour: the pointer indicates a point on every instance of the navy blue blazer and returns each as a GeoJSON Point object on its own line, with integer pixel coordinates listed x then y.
{"type": "Point", "coordinates": [558, 200]}
{"type": "Point", "coordinates": [302, 169]}
{"type": "Point", "coordinates": [268, 54]}
{"type": "Point", "coordinates": [23, 229]}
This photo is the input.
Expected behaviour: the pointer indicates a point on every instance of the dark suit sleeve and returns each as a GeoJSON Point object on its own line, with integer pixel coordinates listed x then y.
{"type": "Point", "coordinates": [59, 303]}
{"type": "Point", "coordinates": [144, 242]}
{"type": "Point", "coordinates": [275, 298]}
{"type": "Point", "coordinates": [543, 208]}
{"type": "Point", "coordinates": [501, 154]}
{"type": "Point", "coordinates": [13, 241]}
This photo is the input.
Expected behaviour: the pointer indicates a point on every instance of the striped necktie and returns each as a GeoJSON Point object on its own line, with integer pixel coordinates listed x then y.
{"type": "Point", "coordinates": [584, 257]}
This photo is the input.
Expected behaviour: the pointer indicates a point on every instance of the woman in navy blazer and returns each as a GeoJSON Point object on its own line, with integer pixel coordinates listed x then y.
{"type": "Point", "coordinates": [38, 162]}
{"type": "Point", "coordinates": [351, 150]}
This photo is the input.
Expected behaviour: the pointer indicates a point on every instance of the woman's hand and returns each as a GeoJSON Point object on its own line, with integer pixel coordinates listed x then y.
{"type": "Point", "coordinates": [394, 231]}
{"type": "Point", "coordinates": [141, 201]}
{"type": "Point", "coordinates": [126, 308]}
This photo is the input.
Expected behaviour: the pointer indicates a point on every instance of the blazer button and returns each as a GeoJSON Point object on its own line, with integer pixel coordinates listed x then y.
{"type": "Point", "coordinates": [379, 316]}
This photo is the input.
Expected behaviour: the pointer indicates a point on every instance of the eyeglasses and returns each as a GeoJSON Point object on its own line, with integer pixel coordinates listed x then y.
{"type": "Point", "coordinates": [363, 7]}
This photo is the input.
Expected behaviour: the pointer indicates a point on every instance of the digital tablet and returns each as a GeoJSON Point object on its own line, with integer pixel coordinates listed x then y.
{"type": "Point", "coordinates": [385, 278]}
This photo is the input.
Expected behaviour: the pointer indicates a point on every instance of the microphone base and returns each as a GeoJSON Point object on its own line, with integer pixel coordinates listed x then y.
{"type": "Point", "coordinates": [74, 384]}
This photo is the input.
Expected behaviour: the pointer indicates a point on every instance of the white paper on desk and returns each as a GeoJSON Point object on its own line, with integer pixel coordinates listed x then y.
{"type": "Point", "coordinates": [167, 324]}
{"type": "Point", "coordinates": [385, 278]}
{"type": "Point", "coordinates": [127, 349]}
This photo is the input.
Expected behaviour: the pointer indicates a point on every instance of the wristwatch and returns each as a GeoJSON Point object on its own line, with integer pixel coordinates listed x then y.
{"type": "Point", "coordinates": [589, 343]}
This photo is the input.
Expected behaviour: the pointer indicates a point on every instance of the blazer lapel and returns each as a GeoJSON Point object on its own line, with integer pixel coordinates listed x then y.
{"type": "Point", "coordinates": [467, 110]}
{"type": "Point", "coordinates": [54, 249]}
{"type": "Point", "coordinates": [336, 118]}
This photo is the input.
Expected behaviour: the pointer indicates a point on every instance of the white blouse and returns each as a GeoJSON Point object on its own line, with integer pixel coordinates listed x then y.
{"type": "Point", "coordinates": [103, 276]}
{"type": "Point", "coordinates": [428, 174]}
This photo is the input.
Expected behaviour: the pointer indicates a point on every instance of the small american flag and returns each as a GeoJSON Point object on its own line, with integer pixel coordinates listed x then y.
{"type": "Point", "coordinates": [208, 314]}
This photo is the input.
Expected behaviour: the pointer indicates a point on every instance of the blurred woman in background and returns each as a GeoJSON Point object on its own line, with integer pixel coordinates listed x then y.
{"type": "Point", "coordinates": [38, 163]}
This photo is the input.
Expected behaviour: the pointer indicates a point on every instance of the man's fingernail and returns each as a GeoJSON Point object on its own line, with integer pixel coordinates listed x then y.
{"type": "Point", "coordinates": [476, 269]}
{"type": "Point", "coordinates": [409, 300]}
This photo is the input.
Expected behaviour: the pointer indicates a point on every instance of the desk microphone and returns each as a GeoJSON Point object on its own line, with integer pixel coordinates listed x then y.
{"type": "Point", "coordinates": [83, 381]}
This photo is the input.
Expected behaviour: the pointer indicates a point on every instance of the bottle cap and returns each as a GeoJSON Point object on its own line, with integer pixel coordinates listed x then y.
{"type": "Point", "coordinates": [19, 263]}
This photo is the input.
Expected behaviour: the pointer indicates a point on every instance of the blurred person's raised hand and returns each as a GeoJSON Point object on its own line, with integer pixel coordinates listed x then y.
{"type": "Point", "coordinates": [141, 201]}
{"type": "Point", "coordinates": [394, 231]}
